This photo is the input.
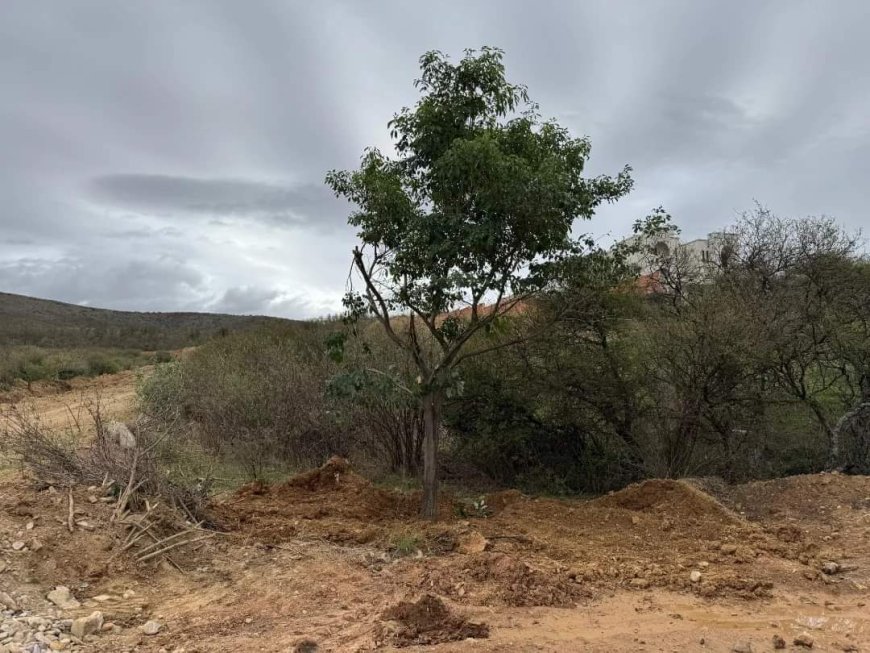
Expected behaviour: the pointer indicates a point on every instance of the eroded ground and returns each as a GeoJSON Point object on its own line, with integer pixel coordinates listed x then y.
{"type": "Point", "coordinates": [328, 560]}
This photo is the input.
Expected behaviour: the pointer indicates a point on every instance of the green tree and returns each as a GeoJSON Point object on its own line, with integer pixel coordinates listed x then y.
{"type": "Point", "coordinates": [473, 211]}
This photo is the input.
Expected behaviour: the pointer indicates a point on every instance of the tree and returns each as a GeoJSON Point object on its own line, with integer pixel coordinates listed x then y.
{"type": "Point", "coordinates": [472, 214]}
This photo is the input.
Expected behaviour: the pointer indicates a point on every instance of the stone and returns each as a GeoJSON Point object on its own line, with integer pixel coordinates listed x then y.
{"type": "Point", "coordinates": [830, 568]}
{"type": "Point", "coordinates": [129, 594]}
{"type": "Point", "coordinates": [63, 598]}
{"type": "Point", "coordinates": [703, 564]}
{"type": "Point", "coordinates": [152, 627]}
{"type": "Point", "coordinates": [639, 583]}
{"type": "Point", "coordinates": [803, 640]}
{"type": "Point", "coordinates": [17, 545]}
{"type": "Point", "coordinates": [8, 602]}
{"type": "Point", "coordinates": [635, 520]}
{"type": "Point", "coordinates": [695, 576]}
{"type": "Point", "coordinates": [2, 566]}
{"type": "Point", "coordinates": [472, 542]}
{"type": "Point", "coordinates": [778, 642]}
{"type": "Point", "coordinates": [29, 526]}
{"type": "Point", "coordinates": [87, 625]}
{"type": "Point", "coordinates": [729, 549]}
{"type": "Point", "coordinates": [742, 647]}
{"type": "Point", "coordinates": [120, 435]}
{"type": "Point", "coordinates": [57, 646]}
{"type": "Point", "coordinates": [35, 545]}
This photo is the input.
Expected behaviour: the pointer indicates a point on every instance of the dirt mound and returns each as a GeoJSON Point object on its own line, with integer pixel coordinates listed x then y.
{"type": "Point", "coordinates": [331, 502]}
{"type": "Point", "coordinates": [426, 621]}
{"type": "Point", "coordinates": [669, 497]}
{"type": "Point", "coordinates": [328, 476]}
{"type": "Point", "coordinates": [498, 501]}
{"type": "Point", "coordinates": [811, 497]}
{"type": "Point", "coordinates": [502, 579]}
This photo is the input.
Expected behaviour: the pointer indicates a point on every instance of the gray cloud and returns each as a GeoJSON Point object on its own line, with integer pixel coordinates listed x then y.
{"type": "Point", "coordinates": [306, 204]}
{"type": "Point", "coordinates": [247, 300]}
{"type": "Point", "coordinates": [171, 155]}
{"type": "Point", "coordinates": [149, 285]}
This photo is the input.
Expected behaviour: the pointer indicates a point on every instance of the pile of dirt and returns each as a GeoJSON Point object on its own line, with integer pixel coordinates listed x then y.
{"type": "Point", "coordinates": [425, 622]}
{"type": "Point", "coordinates": [810, 498]}
{"type": "Point", "coordinates": [668, 497]}
{"type": "Point", "coordinates": [500, 579]}
{"type": "Point", "coordinates": [331, 502]}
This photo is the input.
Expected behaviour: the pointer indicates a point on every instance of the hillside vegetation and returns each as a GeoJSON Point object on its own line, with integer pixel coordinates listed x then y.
{"type": "Point", "coordinates": [42, 339]}
{"type": "Point", "coordinates": [47, 323]}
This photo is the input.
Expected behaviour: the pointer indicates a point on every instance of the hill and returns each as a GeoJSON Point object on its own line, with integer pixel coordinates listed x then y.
{"type": "Point", "coordinates": [46, 323]}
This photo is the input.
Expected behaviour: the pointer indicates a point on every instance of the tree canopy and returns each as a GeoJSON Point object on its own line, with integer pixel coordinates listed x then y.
{"type": "Point", "coordinates": [474, 209]}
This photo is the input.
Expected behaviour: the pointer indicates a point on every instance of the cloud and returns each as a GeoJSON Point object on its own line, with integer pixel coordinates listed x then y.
{"type": "Point", "coordinates": [304, 204]}
{"type": "Point", "coordinates": [147, 285]}
{"type": "Point", "coordinates": [168, 155]}
{"type": "Point", "coordinates": [247, 300]}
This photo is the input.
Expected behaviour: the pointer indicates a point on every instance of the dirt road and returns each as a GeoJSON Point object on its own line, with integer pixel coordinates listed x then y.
{"type": "Point", "coordinates": [59, 406]}
{"type": "Point", "coordinates": [330, 562]}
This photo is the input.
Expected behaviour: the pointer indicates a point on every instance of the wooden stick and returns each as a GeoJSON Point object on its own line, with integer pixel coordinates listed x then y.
{"type": "Point", "coordinates": [70, 523]}
{"type": "Point", "coordinates": [172, 546]}
{"type": "Point", "coordinates": [163, 541]}
{"type": "Point", "coordinates": [170, 560]}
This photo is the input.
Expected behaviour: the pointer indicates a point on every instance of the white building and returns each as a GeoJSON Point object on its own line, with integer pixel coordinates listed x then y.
{"type": "Point", "coordinates": [701, 254]}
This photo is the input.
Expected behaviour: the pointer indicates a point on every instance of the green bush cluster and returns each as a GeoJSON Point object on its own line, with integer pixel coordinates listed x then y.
{"type": "Point", "coordinates": [29, 364]}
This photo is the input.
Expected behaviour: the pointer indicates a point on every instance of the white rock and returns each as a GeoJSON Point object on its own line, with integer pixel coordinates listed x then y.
{"type": "Point", "coordinates": [152, 627]}
{"type": "Point", "coordinates": [7, 602]}
{"type": "Point", "coordinates": [119, 434]}
{"type": "Point", "coordinates": [63, 598]}
{"type": "Point", "coordinates": [87, 625]}
{"type": "Point", "coordinates": [695, 576]}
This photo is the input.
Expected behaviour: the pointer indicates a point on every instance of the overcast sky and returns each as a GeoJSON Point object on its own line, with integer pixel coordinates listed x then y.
{"type": "Point", "coordinates": [165, 155]}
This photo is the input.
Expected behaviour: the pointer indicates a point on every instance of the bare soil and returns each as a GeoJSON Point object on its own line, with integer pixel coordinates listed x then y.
{"type": "Point", "coordinates": [329, 562]}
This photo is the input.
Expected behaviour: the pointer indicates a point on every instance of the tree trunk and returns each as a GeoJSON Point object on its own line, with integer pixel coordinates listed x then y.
{"type": "Point", "coordinates": [833, 435]}
{"type": "Point", "coordinates": [431, 426]}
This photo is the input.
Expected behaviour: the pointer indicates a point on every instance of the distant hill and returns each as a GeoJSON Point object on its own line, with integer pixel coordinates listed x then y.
{"type": "Point", "coordinates": [47, 323]}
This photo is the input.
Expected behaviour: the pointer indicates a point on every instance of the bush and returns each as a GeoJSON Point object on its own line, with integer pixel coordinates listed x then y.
{"type": "Point", "coordinates": [162, 357]}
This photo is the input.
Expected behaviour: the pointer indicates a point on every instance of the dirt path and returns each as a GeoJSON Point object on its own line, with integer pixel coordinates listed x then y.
{"type": "Point", "coordinates": [58, 407]}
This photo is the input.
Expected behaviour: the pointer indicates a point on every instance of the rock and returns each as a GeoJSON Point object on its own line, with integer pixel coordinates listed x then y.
{"type": "Point", "coordinates": [635, 520]}
{"type": "Point", "coordinates": [803, 640]}
{"type": "Point", "coordinates": [35, 545]}
{"type": "Point", "coordinates": [729, 549]}
{"type": "Point", "coordinates": [695, 576]}
{"type": "Point", "coordinates": [17, 545]}
{"type": "Point", "coordinates": [830, 568]}
{"type": "Point", "coordinates": [87, 625]}
{"type": "Point", "coordinates": [7, 602]}
{"type": "Point", "coordinates": [120, 435]}
{"type": "Point", "coordinates": [102, 598]}
{"type": "Point", "coordinates": [57, 646]}
{"type": "Point", "coordinates": [63, 598]}
{"type": "Point", "coordinates": [2, 566]}
{"type": "Point", "coordinates": [639, 583]}
{"type": "Point", "coordinates": [703, 564]}
{"type": "Point", "coordinates": [472, 542]}
{"type": "Point", "coordinates": [152, 627]}
{"type": "Point", "coordinates": [129, 594]}
{"type": "Point", "coordinates": [306, 646]}
{"type": "Point", "coordinates": [742, 647]}
{"type": "Point", "coordinates": [29, 526]}
{"type": "Point", "coordinates": [778, 642]}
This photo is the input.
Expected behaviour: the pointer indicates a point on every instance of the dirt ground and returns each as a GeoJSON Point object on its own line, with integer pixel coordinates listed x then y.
{"type": "Point", "coordinates": [60, 403]}
{"type": "Point", "coordinates": [329, 562]}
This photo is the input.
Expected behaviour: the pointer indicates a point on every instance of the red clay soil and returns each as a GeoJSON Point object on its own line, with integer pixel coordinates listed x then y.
{"type": "Point", "coordinates": [426, 621]}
